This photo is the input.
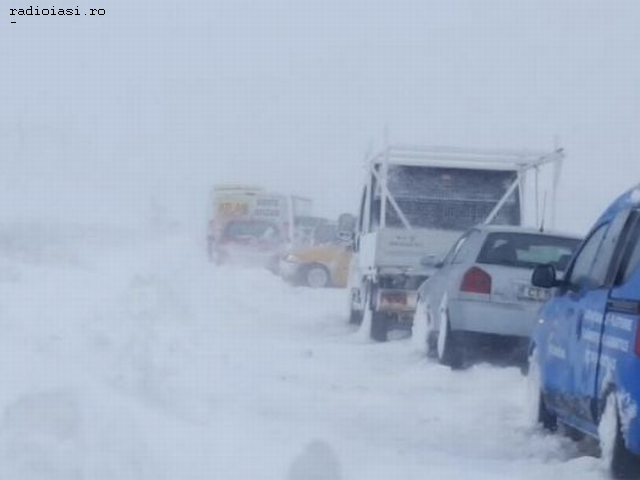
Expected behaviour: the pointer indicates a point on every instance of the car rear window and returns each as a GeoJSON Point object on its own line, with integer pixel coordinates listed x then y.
{"type": "Point", "coordinates": [251, 229]}
{"type": "Point", "coordinates": [527, 250]}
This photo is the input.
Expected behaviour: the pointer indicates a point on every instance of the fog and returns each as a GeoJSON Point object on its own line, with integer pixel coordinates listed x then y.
{"type": "Point", "coordinates": [156, 101]}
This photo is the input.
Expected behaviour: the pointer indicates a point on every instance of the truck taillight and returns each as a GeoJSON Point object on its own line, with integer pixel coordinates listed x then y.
{"type": "Point", "coordinates": [476, 280]}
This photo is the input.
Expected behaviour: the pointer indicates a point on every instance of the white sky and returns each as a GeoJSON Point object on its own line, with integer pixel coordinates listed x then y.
{"type": "Point", "coordinates": [99, 114]}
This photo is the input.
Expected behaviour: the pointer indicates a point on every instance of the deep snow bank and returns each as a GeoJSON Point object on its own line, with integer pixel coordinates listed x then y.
{"type": "Point", "coordinates": [141, 361]}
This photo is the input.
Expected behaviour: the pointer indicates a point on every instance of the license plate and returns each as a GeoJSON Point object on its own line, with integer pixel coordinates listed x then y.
{"type": "Point", "coordinates": [534, 293]}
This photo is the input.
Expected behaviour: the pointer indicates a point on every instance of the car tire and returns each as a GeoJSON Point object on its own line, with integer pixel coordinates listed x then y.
{"type": "Point", "coordinates": [540, 414]}
{"type": "Point", "coordinates": [379, 326]}
{"type": "Point", "coordinates": [448, 348]}
{"type": "Point", "coordinates": [317, 276]}
{"type": "Point", "coordinates": [432, 335]}
{"type": "Point", "coordinates": [621, 462]}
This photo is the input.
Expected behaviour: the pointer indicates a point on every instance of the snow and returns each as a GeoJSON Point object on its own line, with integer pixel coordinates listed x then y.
{"type": "Point", "coordinates": [139, 360]}
{"type": "Point", "coordinates": [635, 196]}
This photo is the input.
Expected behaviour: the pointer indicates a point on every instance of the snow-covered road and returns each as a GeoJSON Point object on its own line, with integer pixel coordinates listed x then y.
{"type": "Point", "coordinates": [138, 360]}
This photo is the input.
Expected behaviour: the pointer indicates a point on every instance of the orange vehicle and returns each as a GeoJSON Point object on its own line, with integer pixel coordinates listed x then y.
{"type": "Point", "coordinates": [325, 264]}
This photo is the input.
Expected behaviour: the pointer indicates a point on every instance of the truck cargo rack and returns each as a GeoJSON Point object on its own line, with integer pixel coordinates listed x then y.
{"type": "Point", "coordinates": [522, 162]}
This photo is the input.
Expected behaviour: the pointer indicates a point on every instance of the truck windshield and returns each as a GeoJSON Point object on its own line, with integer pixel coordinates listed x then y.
{"type": "Point", "coordinates": [527, 250]}
{"type": "Point", "coordinates": [447, 198]}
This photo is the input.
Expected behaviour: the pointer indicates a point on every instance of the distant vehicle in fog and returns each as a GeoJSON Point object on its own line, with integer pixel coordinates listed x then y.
{"type": "Point", "coordinates": [480, 293]}
{"type": "Point", "coordinates": [252, 226]}
{"type": "Point", "coordinates": [417, 201]}
{"type": "Point", "coordinates": [323, 264]}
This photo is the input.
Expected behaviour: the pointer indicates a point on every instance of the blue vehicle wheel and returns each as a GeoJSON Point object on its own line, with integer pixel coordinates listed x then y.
{"type": "Point", "coordinates": [622, 463]}
{"type": "Point", "coordinates": [540, 414]}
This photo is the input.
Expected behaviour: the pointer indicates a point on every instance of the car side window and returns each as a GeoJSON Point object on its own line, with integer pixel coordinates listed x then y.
{"type": "Point", "coordinates": [454, 250]}
{"type": "Point", "coordinates": [463, 251]}
{"type": "Point", "coordinates": [582, 266]}
{"type": "Point", "coordinates": [618, 228]}
{"type": "Point", "coordinates": [631, 257]}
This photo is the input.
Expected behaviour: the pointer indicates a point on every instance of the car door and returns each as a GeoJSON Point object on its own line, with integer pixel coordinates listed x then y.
{"type": "Point", "coordinates": [586, 342]}
{"type": "Point", "coordinates": [562, 317]}
{"type": "Point", "coordinates": [619, 354]}
{"type": "Point", "coordinates": [582, 308]}
{"type": "Point", "coordinates": [341, 266]}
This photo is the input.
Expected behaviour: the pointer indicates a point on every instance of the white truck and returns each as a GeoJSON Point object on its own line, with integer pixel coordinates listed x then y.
{"type": "Point", "coordinates": [250, 225]}
{"type": "Point", "coordinates": [415, 203]}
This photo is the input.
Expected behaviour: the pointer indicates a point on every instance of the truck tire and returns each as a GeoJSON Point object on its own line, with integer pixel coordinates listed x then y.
{"type": "Point", "coordinates": [622, 463]}
{"type": "Point", "coordinates": [379, 326]}
{"type": "Point", "coordinates": [355, 316]}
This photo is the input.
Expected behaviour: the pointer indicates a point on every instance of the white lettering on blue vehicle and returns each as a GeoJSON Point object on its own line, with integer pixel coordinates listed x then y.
{"type": "Point", "coordinates": [593, 317]}
{"type": "Point", "coordinates": [620, 322]}
{"type": "Point", "coordinates": [615, 343]}
{"type": "Point", "coordinates": [607, 362]}
{"type": "Point", "coordinates": [591, 336]}
{"type": "Point", "coordinates": [557, 351]}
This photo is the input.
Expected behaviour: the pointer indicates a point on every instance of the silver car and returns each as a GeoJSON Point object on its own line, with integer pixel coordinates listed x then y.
{"type": "Point", "coordinates": [481, 292]}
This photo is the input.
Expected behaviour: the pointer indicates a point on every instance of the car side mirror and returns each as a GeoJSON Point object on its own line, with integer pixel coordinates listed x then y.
{"type": "Point", "coordinates": [545, 276]}
{"type": "Point", "coordinates": [345, 237]}
{"type": "Point", "coordinates": [431, 261]}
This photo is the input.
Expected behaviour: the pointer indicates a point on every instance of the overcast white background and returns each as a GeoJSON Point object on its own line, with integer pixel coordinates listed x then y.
{"type": "Point", "coordinates": [162, 99]}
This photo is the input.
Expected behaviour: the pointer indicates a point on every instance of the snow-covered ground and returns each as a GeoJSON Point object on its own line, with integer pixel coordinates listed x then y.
{"type": "Point", "coordinates": [130, 357]}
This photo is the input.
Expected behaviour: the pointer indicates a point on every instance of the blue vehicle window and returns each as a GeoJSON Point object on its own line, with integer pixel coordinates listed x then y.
{"type": "Point", "coordinates": [581, 273]}
{"type": "Point", "coordinates": [631, 260]}
{"type": "Point", "coordinates": [606, 255]}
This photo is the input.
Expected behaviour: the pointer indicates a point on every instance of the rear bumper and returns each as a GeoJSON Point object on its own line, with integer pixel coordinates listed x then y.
{"type": "Point", "coordinates": [492, 318]}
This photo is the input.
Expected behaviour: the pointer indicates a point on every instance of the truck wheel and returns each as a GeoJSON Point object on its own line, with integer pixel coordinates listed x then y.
{"type": "Point", "coordinates": [355, 317]}
{"type": "Point", "coordinates": [317, 276]}
{"type": "Point", "coordinates": [379, 326]}
{"type": "Point", "coordinates": [448, 344]}
{"type": "Point", "coordinates": [620, 461]}
{"type": "Point", "coordinates": [539, 414]}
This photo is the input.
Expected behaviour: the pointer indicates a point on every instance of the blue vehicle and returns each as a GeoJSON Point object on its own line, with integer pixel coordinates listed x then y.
{"type": "Point", "coordinates": [585, 351]}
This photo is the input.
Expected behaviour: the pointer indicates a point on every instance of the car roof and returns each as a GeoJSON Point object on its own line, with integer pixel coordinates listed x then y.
{"type": "Point", "coordinates": [525, 230]}
{"type": "Point", "coordinates": [630, 198]}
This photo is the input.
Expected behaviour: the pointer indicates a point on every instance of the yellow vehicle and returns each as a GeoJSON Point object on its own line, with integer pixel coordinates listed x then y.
{"type": "Point", "coordinates": [325, 264]}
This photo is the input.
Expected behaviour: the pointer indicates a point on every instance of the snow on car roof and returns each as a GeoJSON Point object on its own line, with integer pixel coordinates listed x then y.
{"type": "Point", "coordinates": [530, 230]}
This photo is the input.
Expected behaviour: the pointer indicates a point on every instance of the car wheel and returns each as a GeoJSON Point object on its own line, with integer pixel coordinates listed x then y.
{"type": "Point", "coordinates": [448, 344]}
{"type": "Point", "coordinates": [539, 414]}
{"type": "Point", "coordinates": [432, 335]}
{"type": "Point", "coordinates": [317, 276]}
{"type": "Point", "coordinates": [619, 460]}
